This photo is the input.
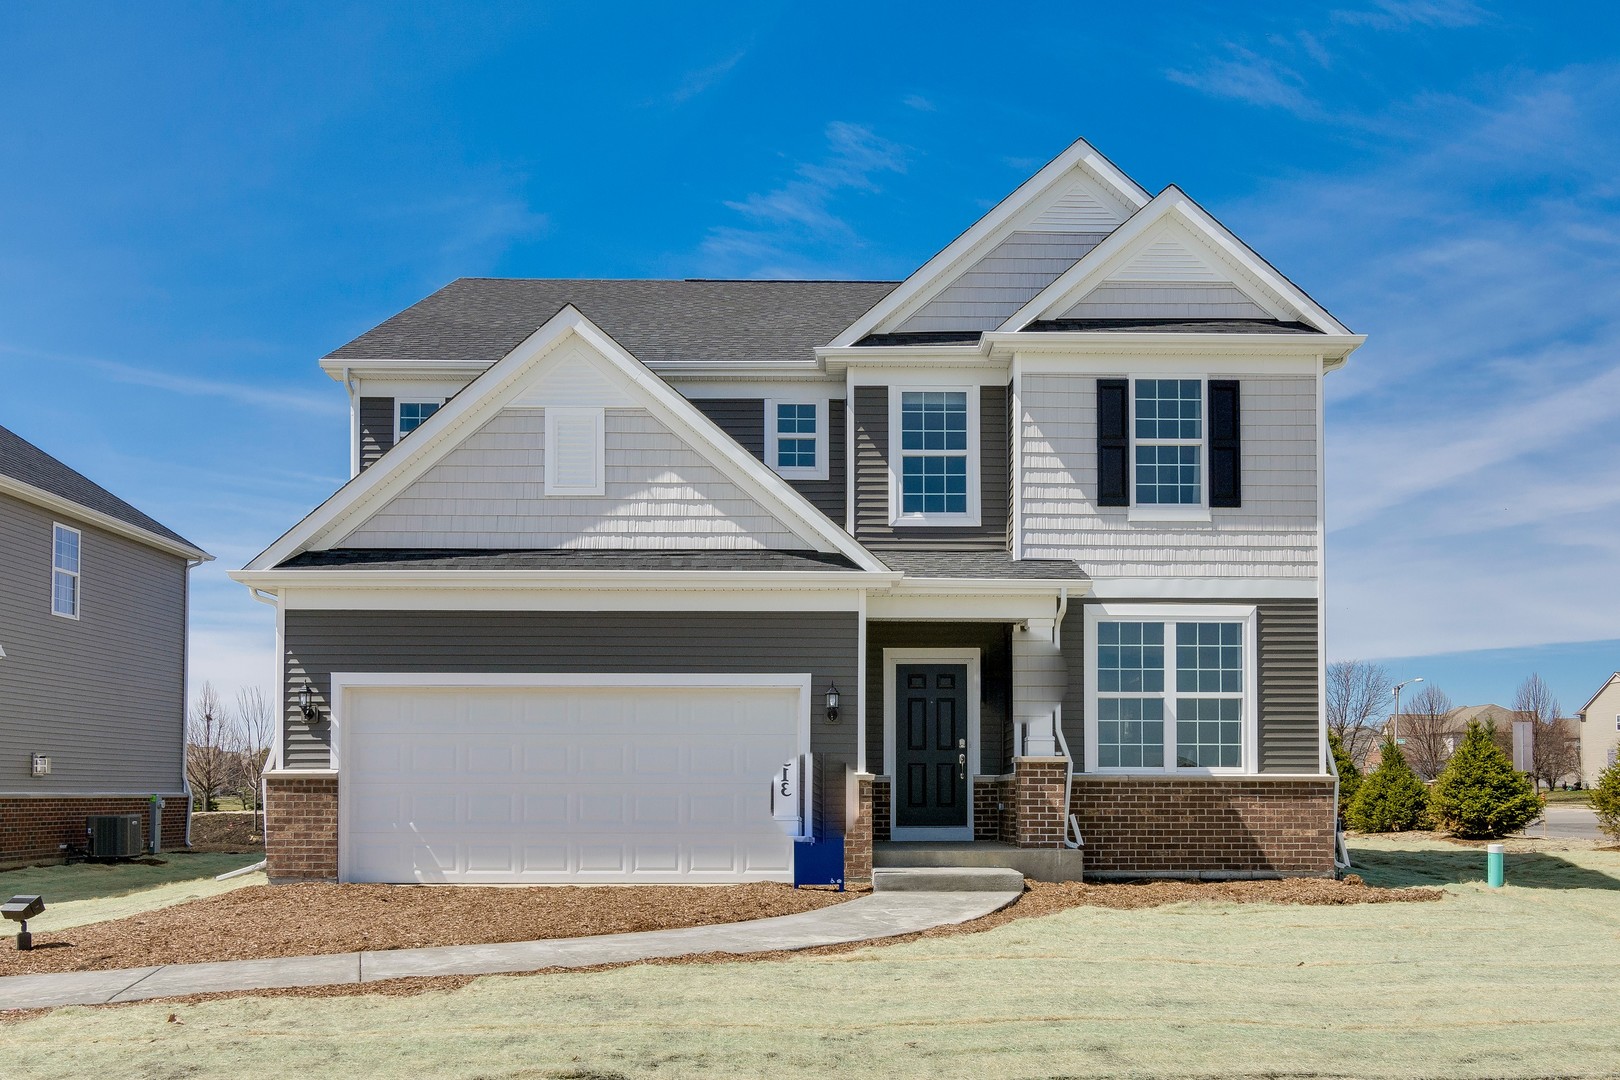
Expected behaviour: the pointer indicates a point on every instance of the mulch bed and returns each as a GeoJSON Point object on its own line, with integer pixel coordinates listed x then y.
{"type": "Point", "coordinates": [313, 919]}
{"type": "Point", "coordinates": [297, 920]}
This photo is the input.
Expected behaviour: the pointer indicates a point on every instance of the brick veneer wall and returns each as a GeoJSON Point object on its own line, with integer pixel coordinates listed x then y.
{"type": "Point", "coordinates": [300, 828]}
{"type": "Point", "coordinates": [882, 791]}
{"type": "Point", "coordinates": [1038, 786]}
{"type": "Point", "coordinates": [1205, 826]}
{"type": "Point", "coordinates": [858, 839]}
{"type": "Point", "coordinates": [34, 829]}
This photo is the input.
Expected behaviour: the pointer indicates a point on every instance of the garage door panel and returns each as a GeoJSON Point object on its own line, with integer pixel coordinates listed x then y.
{"type": "Point", "coordinates": [565, 784]}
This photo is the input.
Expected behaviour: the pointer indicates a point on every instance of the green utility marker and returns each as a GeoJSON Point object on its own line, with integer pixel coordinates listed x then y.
{"type": "Point", "coordinates": [1495, 871]}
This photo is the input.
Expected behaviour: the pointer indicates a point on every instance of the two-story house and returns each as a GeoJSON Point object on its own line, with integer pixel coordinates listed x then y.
{"type": "Point", "coordinates": [1025, 551]}
{"type": "Point", "coordinates": [93, 601]}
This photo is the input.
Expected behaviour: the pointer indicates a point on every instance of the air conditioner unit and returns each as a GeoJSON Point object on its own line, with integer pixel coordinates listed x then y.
{"type": "Point", "coordinates": [115, 836]}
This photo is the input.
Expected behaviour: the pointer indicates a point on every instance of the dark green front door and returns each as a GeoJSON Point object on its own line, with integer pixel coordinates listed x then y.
{"type": "Point", "coordinates": [930, 742]}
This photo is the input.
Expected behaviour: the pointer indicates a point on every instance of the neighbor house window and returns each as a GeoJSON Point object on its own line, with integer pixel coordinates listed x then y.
{"type": "Point", "coordinates": [1169, 431]}
{"type": "Point", "coordinates": [796, 438]}
{"type": "Point", "coordinates": [65, 572]}
{"type": "Point", "coordinates": [1171, 689]}
{"type": "Point", "coordinates": [412, 414]}
{"type": "Point", "coordinates": [934, 463]}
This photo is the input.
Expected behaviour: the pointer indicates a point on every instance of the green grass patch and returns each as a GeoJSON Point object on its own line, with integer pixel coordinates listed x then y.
{"type": "Point", "coordinates": [96, 881]}
{"type": "Point", "coordinates": [1189, 990]}
{"type": "Point", "coordinates": [1568, 798]}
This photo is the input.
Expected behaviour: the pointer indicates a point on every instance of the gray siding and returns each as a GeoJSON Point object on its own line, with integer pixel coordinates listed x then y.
{"type": "Point", "coordinates": [320, 642]}
{"type": "Point", "coordinates": [1290, 701]}
{"type": "Point", "coordinates": [103, 695]}
{"type": "Point", "coordinates": [744, 420]}
{"type": "Point", "coordinates": [994, 642]}
{"type": "Point", "coordinates": [376, 429]}
{"type": "Point", "coordinates": [1166, 300]}
{"type": "Point", "coordinates": [1006, 279]}
{"type": "Point", "coordinates": [1290, 695]}
{"type": "Point", "coordinates": [872, 478]}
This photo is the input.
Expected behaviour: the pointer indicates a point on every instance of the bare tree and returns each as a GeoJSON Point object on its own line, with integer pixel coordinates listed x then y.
{"type": "Point", "coordinates": [208, 746]}
{"type": "Point", "coordinates": [1553, 754]}
{"type": "Point", "coordinates": [1356, 693]}
{"type": "Point", "coordinates": [1428, 733]}
{"type": "Point", "coordinates": [256, 723]}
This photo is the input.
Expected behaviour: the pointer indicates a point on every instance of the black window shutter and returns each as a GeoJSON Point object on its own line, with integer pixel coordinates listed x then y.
{"type": "Point", "coordinates": [1225, 445]}
{"type": "Point", "coordinates": [1113, 442]}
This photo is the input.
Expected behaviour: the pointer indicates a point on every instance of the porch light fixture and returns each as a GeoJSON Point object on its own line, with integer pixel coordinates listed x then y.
{"type": "Point", "coordinates": [20, 909]}
{"type": "Point", "coordinates": [306, 702]}
{"type": "Point", "coordinates": [832, 703]}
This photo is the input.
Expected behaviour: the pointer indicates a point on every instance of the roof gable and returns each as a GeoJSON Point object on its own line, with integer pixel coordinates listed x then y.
{"type": "Point", "coordinates": [1026, 240]}
{"type": "Point", "coordinates": [1610, 681]}
{"type": "Point", "coordinates": [1172, 260]}
{"type": "Point", "coordinates": [567, 362]}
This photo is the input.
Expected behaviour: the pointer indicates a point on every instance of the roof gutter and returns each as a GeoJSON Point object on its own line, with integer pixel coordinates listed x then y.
{"type": "Point", "coordinates": [268, 580]}
{"type": "Point", "coordinates": [41, 497]}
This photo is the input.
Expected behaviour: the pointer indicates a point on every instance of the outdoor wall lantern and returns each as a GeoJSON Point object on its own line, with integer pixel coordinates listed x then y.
{"type": "Point", "coordinates": [306, 703]}
{"type": "Point", "coordinates": [832, 704]}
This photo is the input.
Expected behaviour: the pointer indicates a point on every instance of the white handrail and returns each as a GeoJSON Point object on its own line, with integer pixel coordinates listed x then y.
{"type": "Point", "coordinates": [1068, 782]}
{"type": "Point", "coordinates": [1341, 853]}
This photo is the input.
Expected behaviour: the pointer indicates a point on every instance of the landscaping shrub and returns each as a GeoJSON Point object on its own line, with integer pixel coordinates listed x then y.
{"type": "Point", "coordinates": [1479, 796]}
{"type": "Point", "coordinates": [1391, 798]}
{"type": "Point", "coordinates": [1349, 775]}
{"type": "Point", "coordinates": [1606, 800]}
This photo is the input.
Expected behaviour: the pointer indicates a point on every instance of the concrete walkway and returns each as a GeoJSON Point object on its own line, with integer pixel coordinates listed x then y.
{"type": "Point", "coordinates": [1565, 822]}
{"type": "Point", "coordinates": [880, 915]}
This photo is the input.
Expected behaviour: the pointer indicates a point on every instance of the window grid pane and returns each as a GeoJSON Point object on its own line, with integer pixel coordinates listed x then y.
{"type": "Point", "coordinates": [1169, 429]}
{"type": "Point", "coordinates": [66, 554]}
{"type": "Point", "coordinates": [1133, 707]}
{"type": "Point", "coordinates": [933, 483]}
{"type": "Point", "coordinates": [1169, 409]}
{"type": "Point", "coordinates": [796, 436]}
{"type": "Point", "coordinates": [64, 593]}
{"type": "Point", "coordinates": [412, 413]}
{"type": "Point", "coordinates": [1168, 475]}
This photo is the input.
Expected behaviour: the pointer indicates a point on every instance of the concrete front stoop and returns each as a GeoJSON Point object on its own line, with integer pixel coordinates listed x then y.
{"type": "Point", "coordinates": [947, 879]}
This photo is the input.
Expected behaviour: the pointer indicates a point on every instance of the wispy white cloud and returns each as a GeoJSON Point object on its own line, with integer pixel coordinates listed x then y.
{"type": "Point", "coordinates": [1405, 14]}
{"type": "Point", "coordinates": [1247, 76]}
{"type": "Point", "coordinates": [794, 230]}
{"type": "Point", "coordinates": [697, 82]}
{"type": "Point", "coordinates": [918, 102]}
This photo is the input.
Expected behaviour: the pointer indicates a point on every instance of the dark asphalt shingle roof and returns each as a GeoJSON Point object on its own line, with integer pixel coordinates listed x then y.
{"type": "Point", "coordinates": [1175, 326]}
{"type": "Point", "coordinates": [482, 319]}
{"type": "Point", "coordinates": [23, 461]}
{"type": "Point", "coordinates": [564, 559]}
{"type": "Point", "coordinates": [979, 564]}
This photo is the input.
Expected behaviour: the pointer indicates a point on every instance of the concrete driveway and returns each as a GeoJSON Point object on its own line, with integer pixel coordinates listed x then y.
{"type": "Point", "coordinates": [1566, 823]}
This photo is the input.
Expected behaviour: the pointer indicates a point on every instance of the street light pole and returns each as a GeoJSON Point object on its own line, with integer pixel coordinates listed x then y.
{"type": "Point", "coordinates": [1395, 717]}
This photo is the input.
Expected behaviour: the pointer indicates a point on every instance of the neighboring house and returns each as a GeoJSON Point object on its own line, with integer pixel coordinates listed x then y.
{"type": "Point", "coordinates": [93, 597]}
{"type": "Point", "coordinates": [1429, 741]}
{"type": "Point", "coordinates": [1600, 730]}
{"type": "Point", "coordinates": [1053, 503]}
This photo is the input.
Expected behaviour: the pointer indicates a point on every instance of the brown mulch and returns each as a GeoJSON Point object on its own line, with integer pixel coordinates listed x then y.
{"type": "Point", "coordinates": [295, 920]}
{"type": "Point", "coordinates": [226, 831]}
{"type": "Point", "coordinates": [314, 919]}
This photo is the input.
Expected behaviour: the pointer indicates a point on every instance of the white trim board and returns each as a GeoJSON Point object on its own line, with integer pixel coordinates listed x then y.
{"type": "Point", "coordinates": [891, 659]}
{"type": "Point", "coordinates": [68, 508]}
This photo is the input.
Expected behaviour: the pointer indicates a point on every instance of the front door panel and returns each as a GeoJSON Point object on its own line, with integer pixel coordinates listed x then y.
{"type": "Point", "coordinates": [931, 746]}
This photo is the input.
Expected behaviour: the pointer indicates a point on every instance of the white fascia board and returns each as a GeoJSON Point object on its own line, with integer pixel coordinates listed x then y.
{"type": "Point", "coordinates": [405, 370]}
{"type": "Point", "coordinates": [916, 288]}
{"type": "Point", "coordinates": [735, 369]}
{"type": "Point", "coordinates": [1077, 587]}
{"type": "Point", "coordinates": [983, 607]}
{"type": "Point", "coordinates": [272, 580]}
{"type": "Point", "coordinates": [1075, 282]}
{"type": "Point", "coordinates": [506, 379]}
{"type": "Point", "coordinates": [970, 358]}
{"type": "Point", "coordinates": [581, 597]}
{"type": "Point", "coordinates": [1582, 711]}
{"type": "Point", "coordinates": [1181, 588]}
{"type": "Point", "coordinates": [68, 508]}
{"type": "Point", "coordinates": [1061, 350]}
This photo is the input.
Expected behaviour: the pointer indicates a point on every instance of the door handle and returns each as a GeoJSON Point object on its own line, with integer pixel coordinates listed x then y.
{"type": "Point", "coordinates": [961, 763]}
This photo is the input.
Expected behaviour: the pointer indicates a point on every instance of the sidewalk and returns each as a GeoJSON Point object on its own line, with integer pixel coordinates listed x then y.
{"type": "Point", "coordinates": [880, 915]}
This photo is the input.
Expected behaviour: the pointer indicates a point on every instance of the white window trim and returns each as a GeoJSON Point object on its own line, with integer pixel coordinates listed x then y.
{"type": "Point", "coordinates": [1171, 511]}
{"type": "Point", "coordinates": [974, 450]}
{"type": "Point", "coordinates": [892, 659]}
{"type": "Point", "coordinates": [399, 408]}
{"type": "Point", "coordinates": [77, 575]}
{"type": "Point", "coordinates": [1172, 613]}
{"type": "Point", "coordinates": [597, 415]}
{"type": "Point", "coordinates": [823, 422]}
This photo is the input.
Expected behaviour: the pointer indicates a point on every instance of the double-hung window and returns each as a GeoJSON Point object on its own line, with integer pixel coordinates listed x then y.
{"type": "Point", "coordinates": [1170, 449]}
{"type": "Point", "coordinates": [934, 447]}
{"type": "Point", "coordinates": [65, 551]}
{"type": "Point", "coordinates": [796, 438]}
{"type": "Point", "coordinates": [1171, 689]}
{"type": "Point", "coordinates": [412, 414]}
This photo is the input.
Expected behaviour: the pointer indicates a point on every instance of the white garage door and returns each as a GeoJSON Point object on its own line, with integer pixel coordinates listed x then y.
{"type": "Point", "coordinates": [564, 783]}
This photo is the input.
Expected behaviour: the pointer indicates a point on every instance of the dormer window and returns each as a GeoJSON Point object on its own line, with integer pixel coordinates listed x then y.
{"type": "Point", "coordinates": [933, 453]}
{"type": "Point", "coordinates": [796, 438]}
{"type": "Point", "coordinates": [412, 414]}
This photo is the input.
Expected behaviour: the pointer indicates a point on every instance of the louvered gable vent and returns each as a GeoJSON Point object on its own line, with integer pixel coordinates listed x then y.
{"type": "Point", "coordinates": [574, 451]}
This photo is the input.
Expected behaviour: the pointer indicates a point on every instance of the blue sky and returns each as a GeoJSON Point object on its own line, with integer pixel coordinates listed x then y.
{"type": "Point", "coordinates": [198, 201]}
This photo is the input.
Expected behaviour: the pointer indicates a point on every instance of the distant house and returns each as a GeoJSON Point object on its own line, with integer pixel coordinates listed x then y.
{"type": "Point", "coordinates": [93, 597]}
{"type": "Point", "coordinates": [1600, 729]}
{"type": "Point", "coordinates": [1429, 741]}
